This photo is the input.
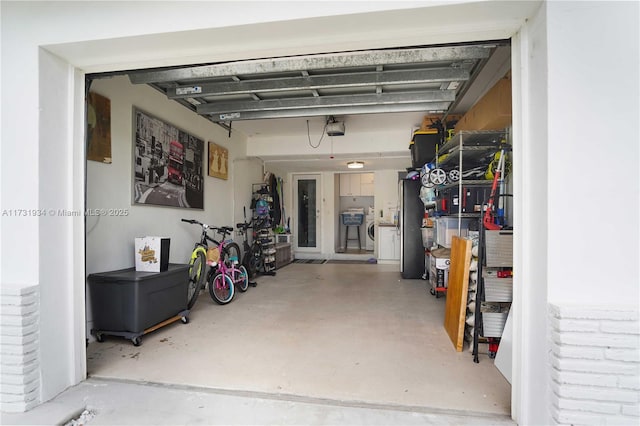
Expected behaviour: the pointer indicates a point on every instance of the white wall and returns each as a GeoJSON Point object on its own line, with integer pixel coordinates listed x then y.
{"type": "Point", "coordinates": [246, 173]}
{"type": "Point", "coordinates": [387, 195]}
{"type": "Point", "coordinates": [385, 138]}
{"type": "Point", "coordinates": [593, 124]}
{"type": "Point", "coordinates": [110, 239]}
{"type": "Point", "coordinates": [569, 120]}
{"type": "Point", "coordinates": [57, 303]}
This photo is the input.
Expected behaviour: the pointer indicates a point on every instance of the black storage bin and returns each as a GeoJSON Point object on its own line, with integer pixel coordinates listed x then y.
{"type": "Point", "coordinates": [131, 301]}
{"type": "Point", "coordinates": [423, 148]}
{"type": "Point", "coordinates": [448, 200]}
{"type": "Point", "coordinates": [475, 197]}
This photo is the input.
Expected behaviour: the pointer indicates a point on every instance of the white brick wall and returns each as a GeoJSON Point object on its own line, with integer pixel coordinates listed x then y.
{"type": "Point", "coordinates": [595, 365]}
{"type": "Point", "coordinates": [19, 361]}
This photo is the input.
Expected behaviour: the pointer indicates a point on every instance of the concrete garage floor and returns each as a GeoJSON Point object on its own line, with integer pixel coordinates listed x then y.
{"type": "Point", "coordinates": [341, 337]}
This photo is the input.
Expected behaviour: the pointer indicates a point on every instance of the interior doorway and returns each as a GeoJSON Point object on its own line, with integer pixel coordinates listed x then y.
{"type": "Point", "coordinates": [307, 203]}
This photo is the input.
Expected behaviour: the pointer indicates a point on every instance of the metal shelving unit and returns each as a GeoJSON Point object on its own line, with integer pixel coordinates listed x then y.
{"type": "Point", "coordinates": [492, 257]}
{"type": "Point", "coordinates": [471, 149]}
{"type": "Point", "coordinates": [263, 229]}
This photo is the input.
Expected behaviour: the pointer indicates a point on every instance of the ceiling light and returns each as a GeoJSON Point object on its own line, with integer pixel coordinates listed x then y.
{"type": "Point", "coordinates": [355, 164]}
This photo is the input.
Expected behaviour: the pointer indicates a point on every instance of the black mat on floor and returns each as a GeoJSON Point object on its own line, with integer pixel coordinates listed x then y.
{"type": "Point", "coordinates": [370, 262]}
{"type": "Point", "coordinates": [316, 261]}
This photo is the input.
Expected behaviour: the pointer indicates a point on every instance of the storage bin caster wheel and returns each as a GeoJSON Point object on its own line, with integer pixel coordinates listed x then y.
{"type": "Point", "coordinates": [185, 320]}
{"type": "Point", "coordinates": [137, 341]}
{"type": "Point", "coordinates": [99, 337]}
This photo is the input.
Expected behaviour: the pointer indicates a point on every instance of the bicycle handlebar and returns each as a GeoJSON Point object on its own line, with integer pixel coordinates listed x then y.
{"type": "Point", "coordinates": [220, 229]}
{"type": "Point", "coordinates": [191, 221]}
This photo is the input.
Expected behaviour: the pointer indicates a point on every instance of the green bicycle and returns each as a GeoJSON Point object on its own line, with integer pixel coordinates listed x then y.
{"type": "Point", "coordinates": [198, 263]}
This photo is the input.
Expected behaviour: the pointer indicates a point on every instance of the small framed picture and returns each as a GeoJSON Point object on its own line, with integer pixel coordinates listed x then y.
{"type": "Point", "coordinates": [218, 161]}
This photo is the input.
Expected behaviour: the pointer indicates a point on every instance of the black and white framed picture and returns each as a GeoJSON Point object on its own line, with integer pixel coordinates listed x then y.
{"type": "Point", "coordinates": [167, 164]}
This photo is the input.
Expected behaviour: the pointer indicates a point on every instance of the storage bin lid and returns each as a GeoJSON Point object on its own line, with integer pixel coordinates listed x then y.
{"type": "Point", "coordinates": [426, 132]}
{"type": "Point", "coordinates": [130, 274]}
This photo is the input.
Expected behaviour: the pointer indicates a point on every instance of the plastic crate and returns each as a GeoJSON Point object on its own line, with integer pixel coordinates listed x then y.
{"type": "Point", "coordinates": [493, 323]}
{"type": "Point", "coordinates": [499, 248]}
{"type": "Point", "coordinates": [498, 289]}
{"type": "Point", "coordinates": [352, 219]}
{"type": "Point", "coordinates": [428, 237]}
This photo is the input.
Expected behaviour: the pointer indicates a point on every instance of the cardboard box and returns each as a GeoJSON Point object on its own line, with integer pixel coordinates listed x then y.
{"type": "Point", "coordinates": [439, 261]}
{"type": "Point", "coordinates": [492, 111]}
{"type": "Point", "coordinates": [152, 254]}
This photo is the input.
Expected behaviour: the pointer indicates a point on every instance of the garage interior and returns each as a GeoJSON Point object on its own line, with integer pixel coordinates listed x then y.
{"type": "Point", "coordinates": [356, 333]}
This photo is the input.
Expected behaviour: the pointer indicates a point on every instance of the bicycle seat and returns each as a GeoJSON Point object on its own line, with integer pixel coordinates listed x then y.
{"type": "Point", "coordinates": [243, 225]}
{"type": "Point", "coordinates": [225, 228]}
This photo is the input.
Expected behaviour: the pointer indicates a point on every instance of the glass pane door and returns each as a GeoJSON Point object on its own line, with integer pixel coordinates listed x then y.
{"type": "Point", "coordinates": [307, 212]}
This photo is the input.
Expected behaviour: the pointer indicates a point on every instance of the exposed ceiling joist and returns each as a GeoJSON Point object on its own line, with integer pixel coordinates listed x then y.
{"type": "Point", "coordinates": [432, 107]}
{"type": "Point", "coordinates": [320, 82]}
{"type": "Point", "coordinates": [327, 101]}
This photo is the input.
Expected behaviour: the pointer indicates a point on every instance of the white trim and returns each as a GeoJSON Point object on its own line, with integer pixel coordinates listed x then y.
{"type": "Point", "coordinates": [77, 175]}
{"type": "Point", "coordinates": [519, 77]}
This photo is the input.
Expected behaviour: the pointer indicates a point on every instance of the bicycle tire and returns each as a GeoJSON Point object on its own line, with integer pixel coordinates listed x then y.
{"type": "Point", "coordinates": [250, 260]}
{"type": "Point", "coordinates": [256, 259]}
{"type": "Point", "coordinates": [221, 289]}
{"type": "Point", "coordinates": [231, 257]}
{"type": "Point", "coordinates": [231, 254]}
{"type": "Point", "coordinates": [197, 266]}
{"type": "Point", "coordinates": [241, 278]}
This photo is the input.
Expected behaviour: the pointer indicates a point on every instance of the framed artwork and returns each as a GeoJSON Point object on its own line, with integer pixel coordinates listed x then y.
{"type": "Point", "coordinates": [218, 161]}
{"type": "Point", "coordinates": [167, 164]}
{"type": "Point", "coordinates": [98, 128]}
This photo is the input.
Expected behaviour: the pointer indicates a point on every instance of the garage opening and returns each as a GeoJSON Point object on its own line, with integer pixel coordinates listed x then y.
{"type": "Point", "coordinates": [363, 330]}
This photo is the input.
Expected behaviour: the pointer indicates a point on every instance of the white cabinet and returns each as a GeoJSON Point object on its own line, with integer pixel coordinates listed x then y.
{"type": "Point", "coordinates": [349, 184]}
{"type": "Point", "coordinates": [366, 184]}
{"type": "Point", "coordinates": [356, 184]}
{"type": "Point", "coordinates": [388, 243]}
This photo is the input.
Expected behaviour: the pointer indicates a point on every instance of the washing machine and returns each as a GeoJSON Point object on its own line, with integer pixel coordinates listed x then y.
{"type": "Point", "coordinates": [370, 223]}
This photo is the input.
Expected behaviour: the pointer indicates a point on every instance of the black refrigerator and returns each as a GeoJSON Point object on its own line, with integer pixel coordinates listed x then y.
{"type": "Point", "coordinates": [411, 215]}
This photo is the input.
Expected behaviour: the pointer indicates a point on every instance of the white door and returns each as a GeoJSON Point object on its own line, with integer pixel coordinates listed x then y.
{"type": "Point", "coordinates": [306, 201]}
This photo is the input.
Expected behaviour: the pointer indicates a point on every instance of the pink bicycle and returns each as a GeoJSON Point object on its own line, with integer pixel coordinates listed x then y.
{"type": "Point", "coordinates": [226, 272]}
